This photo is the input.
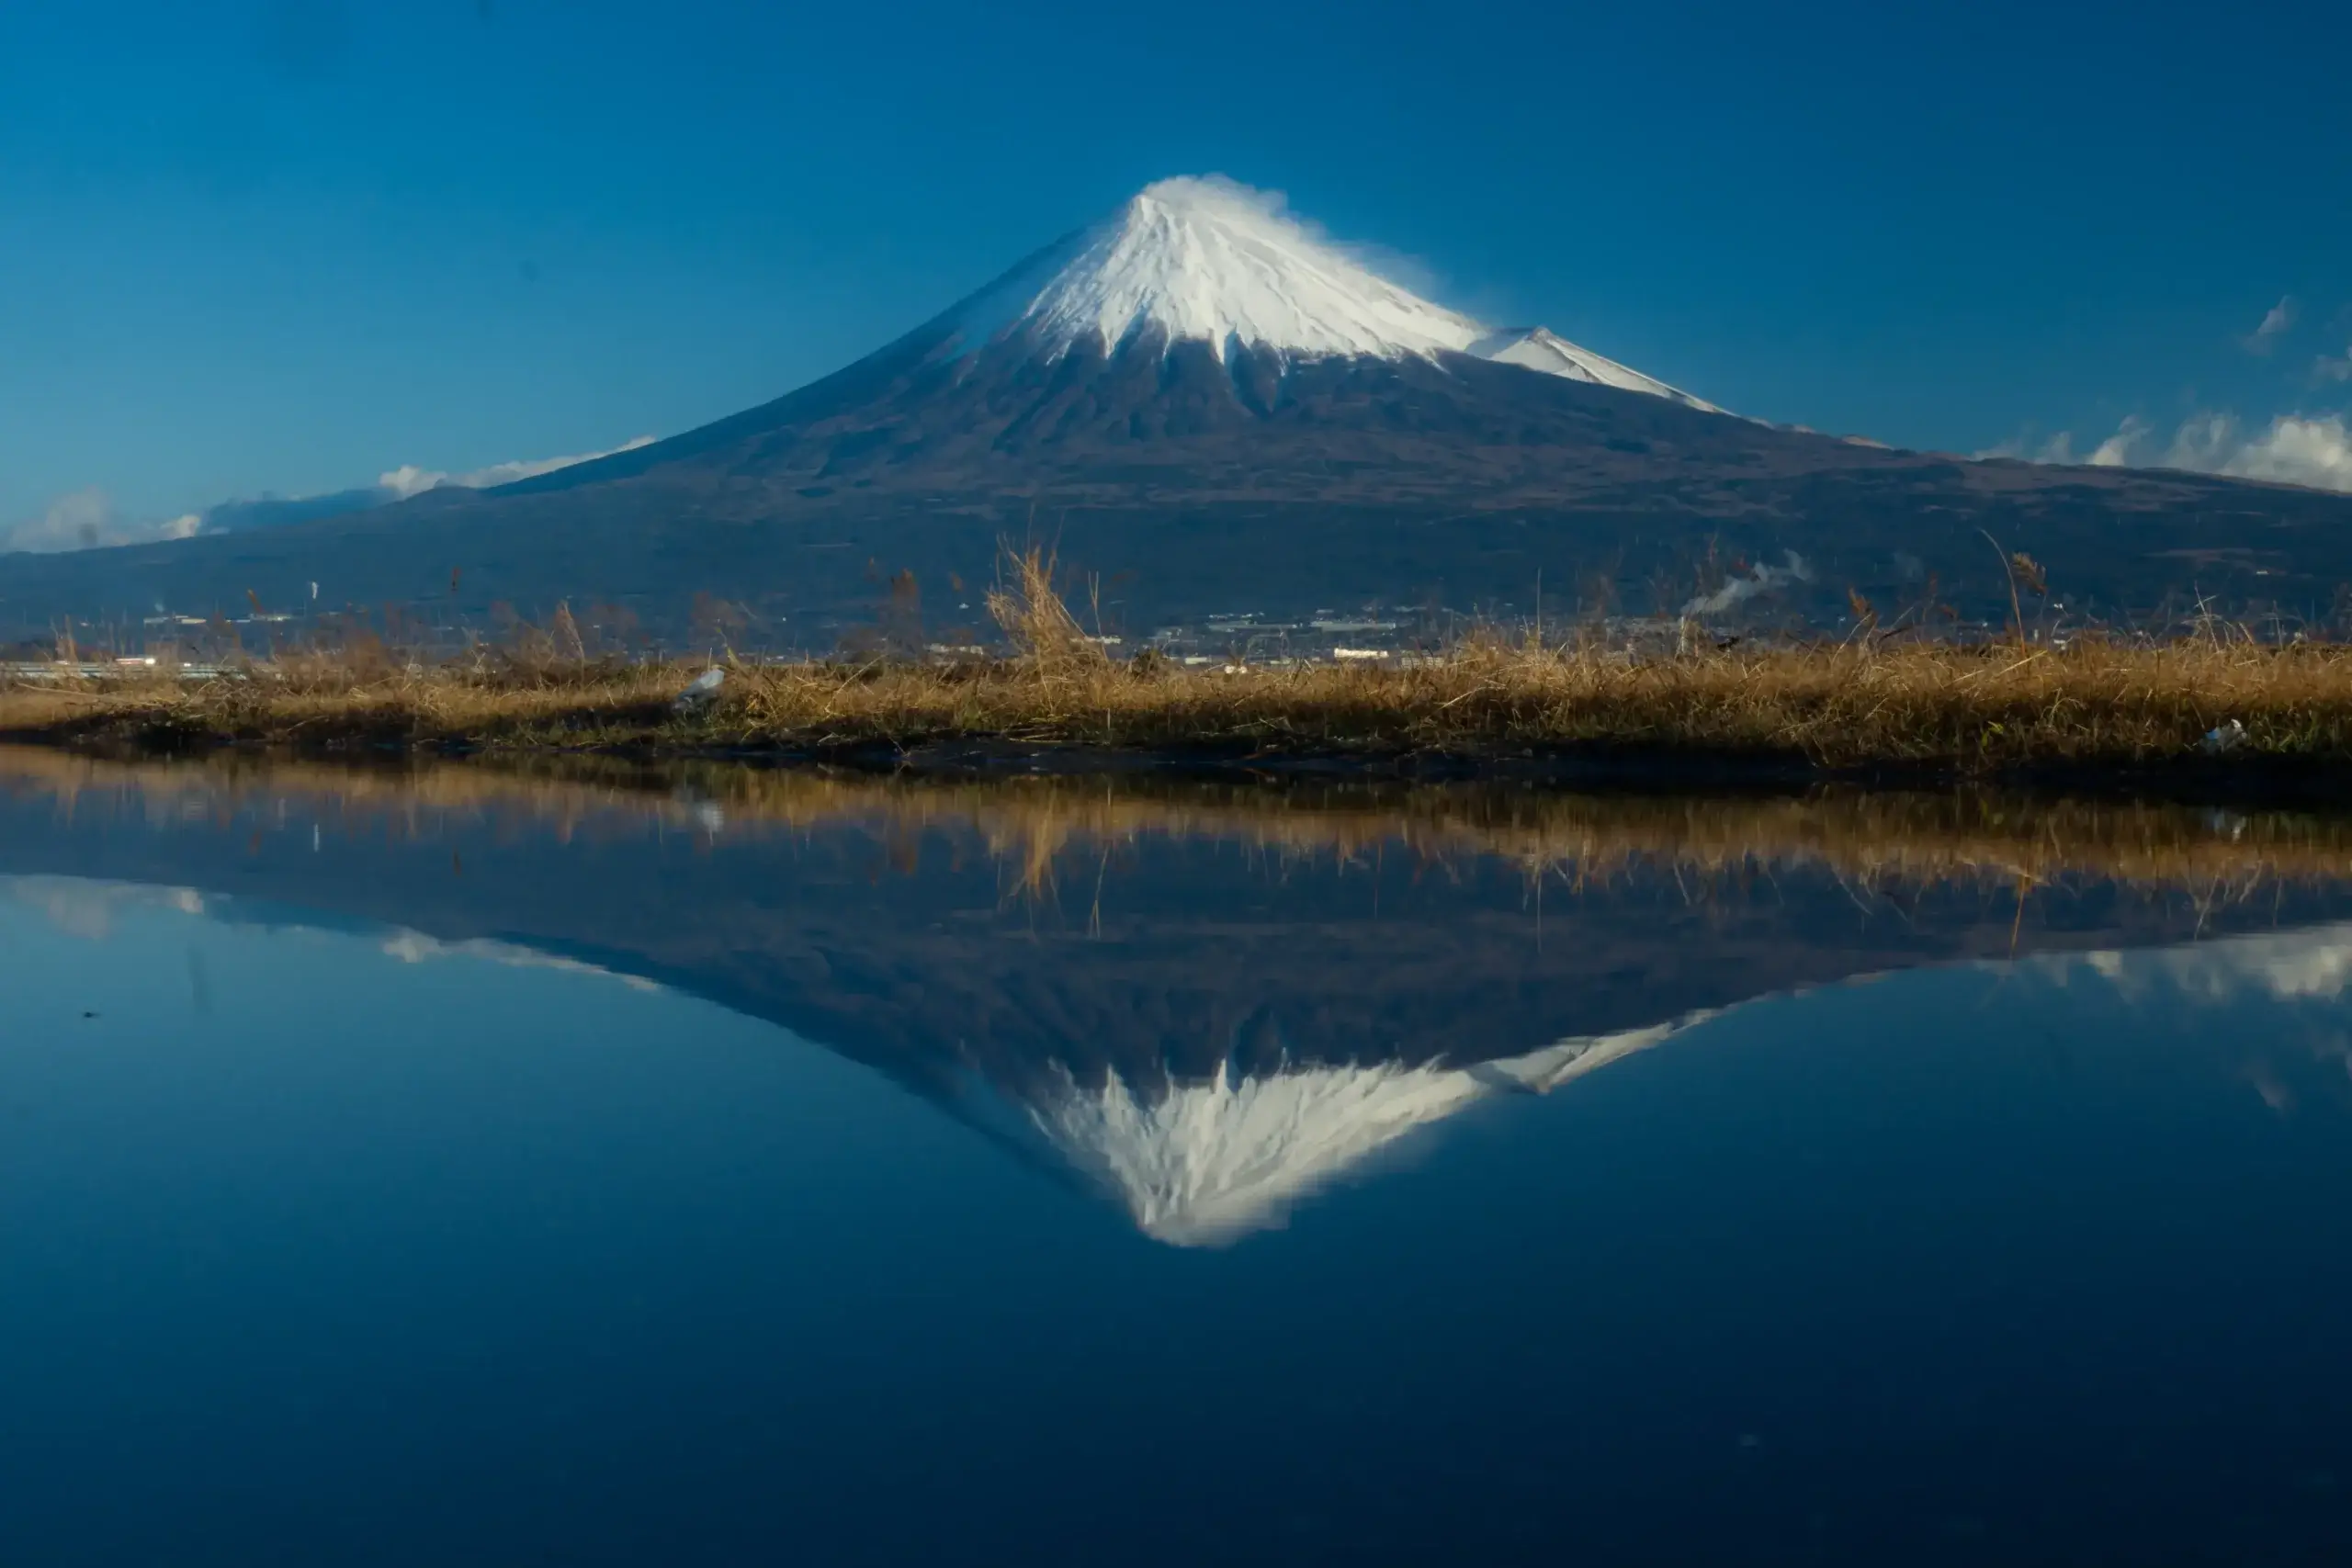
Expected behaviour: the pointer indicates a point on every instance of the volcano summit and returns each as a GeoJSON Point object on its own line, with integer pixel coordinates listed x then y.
{"type": "Point", "coordinates": [1195, 261]}
{"type": "Point", "coordinates": [1214, 410]}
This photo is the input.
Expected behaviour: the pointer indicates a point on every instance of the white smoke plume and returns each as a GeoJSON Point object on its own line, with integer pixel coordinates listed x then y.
{"type": "Point", "coordinates": [1739, 590]}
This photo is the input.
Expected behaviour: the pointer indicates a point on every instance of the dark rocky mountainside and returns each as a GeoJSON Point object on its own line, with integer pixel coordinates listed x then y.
{"type": "Point", "coordinates": [1192, 489]}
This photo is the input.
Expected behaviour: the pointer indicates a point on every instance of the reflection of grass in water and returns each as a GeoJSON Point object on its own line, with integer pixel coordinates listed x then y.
{"type": "Point", "coordinates": [1029, 824]}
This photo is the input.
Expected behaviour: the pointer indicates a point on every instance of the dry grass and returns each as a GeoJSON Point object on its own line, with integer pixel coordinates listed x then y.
{"type": "Point", "coordinates": [1968, 709]}
{"type": "Point", "coordinates": [1864, 702]}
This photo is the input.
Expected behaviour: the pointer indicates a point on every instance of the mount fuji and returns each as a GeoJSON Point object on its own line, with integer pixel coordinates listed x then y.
{"type": "Point", "coordinates": [1212, 409]}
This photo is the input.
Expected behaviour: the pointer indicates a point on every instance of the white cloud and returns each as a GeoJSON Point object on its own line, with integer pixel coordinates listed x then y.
{"type": "Point", "coordinates": [2304, 449]}
{"type": "Point", "coordinates": [73, 521]}
{"type": "Point", "coordinates": [409, 479]}
{"type": "Point", "coordinates": [2115, 452]}
{"type": "Point", "coordinates": [2204, 443]}
{"type": "Point", "coordinates": [2298, 450]}
{"type": "Point", "coordinates": [78, 908]}
{"type": "Point", "coordinates": [2330, 367]}
{"type": "Point", "coordinates": [2274, 325]}
{"type": "Point", "coordinates": [85, 519]}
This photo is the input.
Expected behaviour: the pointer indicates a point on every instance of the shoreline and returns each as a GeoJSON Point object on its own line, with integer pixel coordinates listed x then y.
{"type": "Point", "coordinates": [2202, 719]}
{"type": "Point", "coordinates": [2247, 779]}
{"type": "Point", "coordinates": [1026, 818]}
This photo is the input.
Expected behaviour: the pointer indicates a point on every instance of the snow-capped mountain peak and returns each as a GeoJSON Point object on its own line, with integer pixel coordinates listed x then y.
{"type": "Point", "coordinates": [1209, 260]}
{"type": "Point", "coordinates": [1214, 262]}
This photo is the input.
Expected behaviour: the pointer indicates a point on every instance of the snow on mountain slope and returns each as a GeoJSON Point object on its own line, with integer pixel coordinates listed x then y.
{"type": "Point", "coordinates": [1540, 349]}
{"type": "Point", "coordinates": [1211, 261]}
{"type": "Point", "coordinates": [1202, 1164]}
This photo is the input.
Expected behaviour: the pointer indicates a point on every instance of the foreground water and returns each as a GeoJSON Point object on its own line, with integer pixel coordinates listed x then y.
{"type": "Point", "coordinates": [461, 1166]}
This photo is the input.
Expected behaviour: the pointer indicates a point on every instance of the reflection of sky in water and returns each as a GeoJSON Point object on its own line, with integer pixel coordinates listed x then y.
{"type": "Point", "coordinates": [305, 1239]}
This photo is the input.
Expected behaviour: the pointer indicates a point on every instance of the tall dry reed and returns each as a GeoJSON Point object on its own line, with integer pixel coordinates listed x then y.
{"type": "Point", "coordinates": [1837, 705]}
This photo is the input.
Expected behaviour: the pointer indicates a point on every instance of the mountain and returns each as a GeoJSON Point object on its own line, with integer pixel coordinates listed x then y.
{"type": "Point", "coordinates": [244, 515]}
{"type": "Point", "coordinates": [1214, 411]}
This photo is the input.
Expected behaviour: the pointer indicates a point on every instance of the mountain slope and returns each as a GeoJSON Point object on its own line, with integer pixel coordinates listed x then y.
{"type": "Point", "coordinates": [1540, 349]}
{"type": "Point", "coordinates": [1213, 410]}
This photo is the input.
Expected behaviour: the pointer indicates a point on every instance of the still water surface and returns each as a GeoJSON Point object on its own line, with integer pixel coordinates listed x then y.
{"type": "Point", "coordinates": [458, 1167]}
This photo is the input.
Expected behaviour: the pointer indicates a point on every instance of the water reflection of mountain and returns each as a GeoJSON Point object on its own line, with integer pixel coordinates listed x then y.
{"type": "Point", "coordinates": [1207, 1003]}
{"type": "Point", "coordinates": [1198, 1161]}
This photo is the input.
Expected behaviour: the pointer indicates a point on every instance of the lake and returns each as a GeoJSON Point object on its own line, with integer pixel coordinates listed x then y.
{"type": "Point", "coordinates": [601, 1165]}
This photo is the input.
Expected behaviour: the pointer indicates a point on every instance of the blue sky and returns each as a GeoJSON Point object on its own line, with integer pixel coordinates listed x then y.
{"type": "Point", "coordinates": [286, 245]}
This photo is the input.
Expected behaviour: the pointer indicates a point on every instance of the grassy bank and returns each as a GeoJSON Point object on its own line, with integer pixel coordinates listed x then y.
{"type": "Point", "coordinates": [1861, 704]}
{"type": "Point", "coordinates": [1969, 710]}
